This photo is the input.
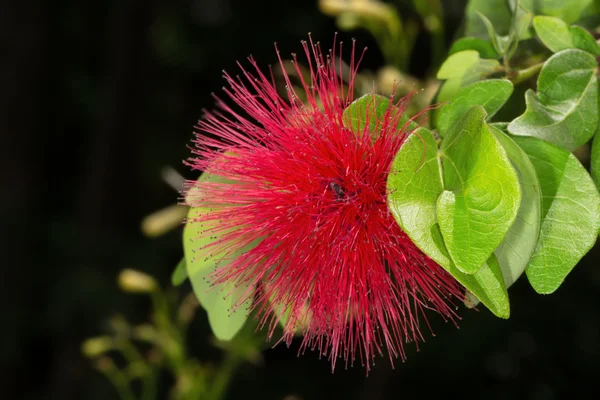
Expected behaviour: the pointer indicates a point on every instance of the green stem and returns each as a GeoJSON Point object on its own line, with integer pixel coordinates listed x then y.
{"type": "Point", "coordinates": [525, 74]}
{"type": "Point", "coordinates": [149, 385]}
{"type": "Point", "coordinates": [119, 381]}
{"type": "Point", "coordinates": [224, 375]}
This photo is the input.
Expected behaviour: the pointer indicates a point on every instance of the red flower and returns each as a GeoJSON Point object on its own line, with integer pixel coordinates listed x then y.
{"type": "Point", "coordinates": [307, 195]}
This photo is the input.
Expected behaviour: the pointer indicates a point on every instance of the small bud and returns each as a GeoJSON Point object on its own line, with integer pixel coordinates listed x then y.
{"type": "Point", "coordinates": [391, 80]}
{"type": "Point", "coordinates": [145, 332]}
{"type": "Point", "coordinates": [133, 281]}
{"type": "Point", "coordinates": [96, 346]}
{"type": "Point", "coordinates": [163, 221]}
{"type": "Point", "coordinates": [333, 7]}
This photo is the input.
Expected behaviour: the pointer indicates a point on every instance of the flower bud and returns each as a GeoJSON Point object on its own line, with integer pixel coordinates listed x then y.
{"type": "Point", "coordinates": [133, 281]}
{"type": "Point", "coordinates": [163, 221]}
{"type": "Point", "coordinates": [96, 346]}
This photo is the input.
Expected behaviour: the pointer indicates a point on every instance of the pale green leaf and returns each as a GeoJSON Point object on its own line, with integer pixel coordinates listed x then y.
{"type": "Point", "coordinates": [371, 109]}
{"type": "Point", "coordinates": [491, 94]}
{"type": "Point", "coordinates": [516, 249]}
{"type": "Point", "coordinates": [553, 32]}
{"type": "Point", "coordinates": [414, 184]}
{"type": "Point", "coordinates": [458, 64]}
{"type": "Point", "coordinates": [461, 69]}
{"type": "Point", "coordinates": [482, 194]}
{"type": "Point", "coordinates": [227, 304]}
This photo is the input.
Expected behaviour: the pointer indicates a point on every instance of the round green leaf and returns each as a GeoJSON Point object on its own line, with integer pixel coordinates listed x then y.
{"type": "Point", "coordinates": [553, 32]}
{"type": "Point", "coordinates": [565, 109]}
{"type": "Point", "coordinates": [414, 184]}
{"type": "Point", "coordinates": [482, 194]}
{"type": "Point", "coordinates": [518, 246]}
{"type": "Point", "coordinates": [179, 274]}
{"type": "Point", "coordinates": [558, 36]}
{"type": "Point", "coordinates": [370, 109]}
{"type": "Point", "coordinates": [491, 94]}
{"type": "Point", "coordinates": [583, 40]}
{"type": "Point", "coordinates": [202, 257]}
{"type": "Point", "coordinates": [457, 64]}
{"type": "Point", "coordinates": [570, 214]}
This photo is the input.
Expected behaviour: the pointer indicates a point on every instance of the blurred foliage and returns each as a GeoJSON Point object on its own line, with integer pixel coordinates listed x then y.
{"type": "Point", "coordinates": [98, 97]}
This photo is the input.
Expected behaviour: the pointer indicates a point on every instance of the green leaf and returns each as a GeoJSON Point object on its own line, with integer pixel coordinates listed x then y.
{"type": "Point", "coordinates": [565, 109]}
{"type": "Point", "coordinates": [553, 32]}
{"type": "Point", "coordinates": [500, 43]}
{"type": "Point", "coordinates": [461, 69]}
{"type": "Point", "coordinates": [558, 36]}
{"type": "Point", "coordinates": [519, 29]}
{"type": "Point", "coordinates": [371, 109]}
{"type": "Point", "coordinates": [583, 40]}
{"type": "Point", "coordinates": [568, 10]}
{"type": "Point", "coordinates": [458, 64]}
{"type": "Point", "coordinates": [481, 46]}
{"type": "Point", "coordinates": [179, 274]}
{"type": "Point", "coordinates": [496, 10]}
{"type": "Point", "coordinates": [203, 256]}
{"type": "Point", "coordinates": [414, 184]}
{"type": "Point", "coordinates": [570, 214]}
{"type": "Point", "coordinates": [482, 194]}
{"type": "Point", "coordinates": [595, 158]}
{"type": "Point", "coordinates": [516, 249]}
{"type": "Point", "coordinates": [491, 94]}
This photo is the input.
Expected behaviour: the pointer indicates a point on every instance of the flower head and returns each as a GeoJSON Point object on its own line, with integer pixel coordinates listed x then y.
{"type": "Point", "coordinates": [303, 193]}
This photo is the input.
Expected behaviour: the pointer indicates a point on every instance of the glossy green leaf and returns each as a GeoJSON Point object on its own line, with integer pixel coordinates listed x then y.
{"type": "Point", "coordinates": [371, 109]}
{"type": "Point", "coordinates": [570, 214]}
{"type": "Point", "coordinates": [595, 158]}
{"type": "Point", "coordinates": [491, 94]}
{"type": "Point", "coordinates": [516, 249]}
{"type": "Point", "coordinates": [553, 32]}
{"type": "Point", "coordinates": [481, 46]}
{"type": "Point", "coordinates": [203, 256]}
{"type": "Point", "coordinates": [414, 184]}
{"type": "Point", "coordinates": [482, 195]}
{"type": "Point", "coordinates": [179, 274]}
{"type": "Point", "coordinates": [565, 109]}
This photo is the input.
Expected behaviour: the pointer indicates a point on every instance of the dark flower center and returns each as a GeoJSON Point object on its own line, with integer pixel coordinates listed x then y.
{"type": "Point", "coordinates": [337, 190]}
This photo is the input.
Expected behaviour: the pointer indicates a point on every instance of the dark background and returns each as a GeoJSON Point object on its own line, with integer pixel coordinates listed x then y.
{"type": "Point", "coordinates": [95, 99]}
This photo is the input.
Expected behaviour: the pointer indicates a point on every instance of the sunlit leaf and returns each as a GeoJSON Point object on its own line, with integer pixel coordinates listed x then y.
{"type": "Point", "coordinates": [482, 194]}
{"type": "Point", "coordinates": [414, 184]}
{"type": "Point", "coordinates": [491, 94]}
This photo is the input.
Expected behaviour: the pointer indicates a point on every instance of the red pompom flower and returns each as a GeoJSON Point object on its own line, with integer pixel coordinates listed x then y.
{"type": "Point", "coordinates": [299, 211]}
